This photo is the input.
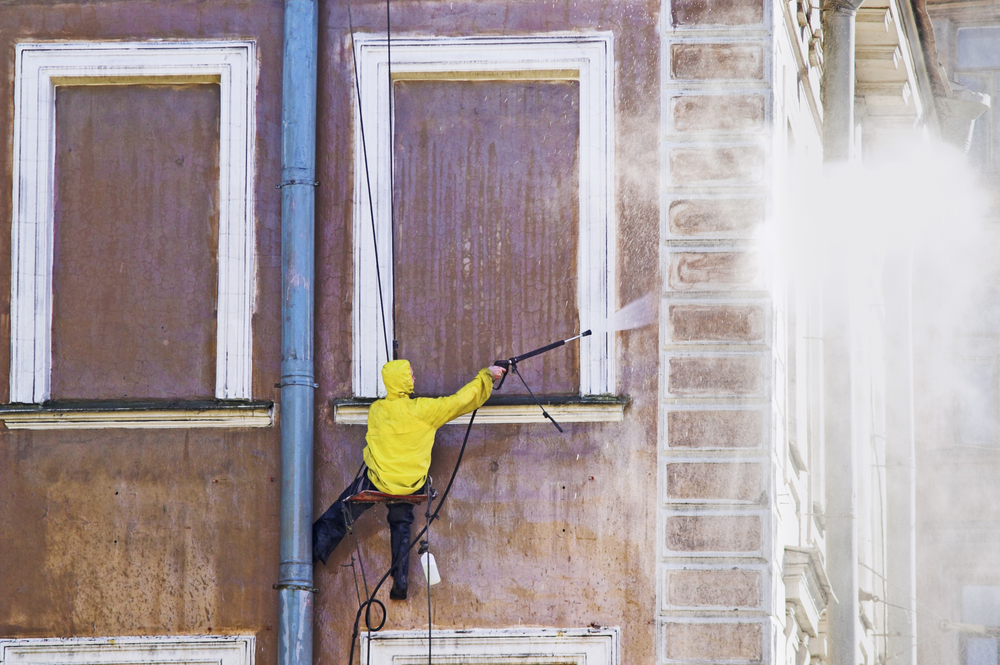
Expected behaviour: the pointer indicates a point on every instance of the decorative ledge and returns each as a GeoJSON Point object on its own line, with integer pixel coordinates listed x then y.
{"type": "Point", "coordinates": [807, 588]}
{"type": "Point", "coordinates": [512, 410]}
{"type": "Point", "coordinates": [155, 414]}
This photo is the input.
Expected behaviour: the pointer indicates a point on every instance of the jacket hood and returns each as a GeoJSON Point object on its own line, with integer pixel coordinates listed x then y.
{"type": "Point", "coordinates": [397, 378]}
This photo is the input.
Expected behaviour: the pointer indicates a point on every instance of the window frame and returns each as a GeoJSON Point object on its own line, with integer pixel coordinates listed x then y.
{"type": "Point", "coordinates": [587, 58]}
{"type": "Point", "coordinates": [157, 649]}
{"type": "Point", "coordinates": [981, 77]}
{"type": "Point", "coordinates": [40, 67]}
{"type": "Point", "coordinates": [512, 646]}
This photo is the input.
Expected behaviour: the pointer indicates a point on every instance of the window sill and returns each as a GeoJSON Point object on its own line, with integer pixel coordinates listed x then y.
{"type": "Point", "coordinates": [154, 414]}
{"type": "Point", "coordinates": [512, 410]}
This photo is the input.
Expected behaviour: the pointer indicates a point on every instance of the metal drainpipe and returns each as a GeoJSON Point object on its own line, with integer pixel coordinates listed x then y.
{"type": "Point", "coordinates": [840, 455]}
{"type": "Point", "coordinates": [838, 79]}
{"type": "Point", "coordinates": [298, 175]}
{"type": "Point", "coordinates": [900, 461]}
{"type": "Point", "coordinates": [840, 460]}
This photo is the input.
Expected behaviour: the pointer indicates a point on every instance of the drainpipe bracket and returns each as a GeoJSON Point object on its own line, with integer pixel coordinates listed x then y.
{"type": "Point", "coordinates": [286, 183]}
{"type": "Point", "coordinates": [295, 587]}
{"type": "Point", "coordinates": [296, 382]}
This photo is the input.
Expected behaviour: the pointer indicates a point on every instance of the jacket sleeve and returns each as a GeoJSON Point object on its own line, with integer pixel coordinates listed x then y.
{"type": "Point", "coordinates": [440, 410]}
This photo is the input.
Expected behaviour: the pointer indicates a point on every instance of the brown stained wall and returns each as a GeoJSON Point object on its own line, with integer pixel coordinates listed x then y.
{"type": "Point", "coordinates": [487, 229]}
{"type": "Point", "coordinates": [132, 532]}
{"type": "Point", "coordinates": [136, 234]}
{"type": "Point", "coordinates": [541, 529]}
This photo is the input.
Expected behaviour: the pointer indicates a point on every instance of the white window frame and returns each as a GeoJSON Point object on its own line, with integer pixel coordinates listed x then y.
{"type": "Point", "coordinates": [513, 646]}
{"type": "Point", "coordinates": [39, 69]}
{"type": "Point", "coordinates": [154, 650]}
{"type": "Point", "coordinates": [587, 58]}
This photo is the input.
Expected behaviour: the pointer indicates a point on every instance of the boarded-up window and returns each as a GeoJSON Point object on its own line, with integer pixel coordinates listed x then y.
{"type": "Point", "coordinates": [135, 266]}
{"type": "Point", "coordinates": [487, 229]}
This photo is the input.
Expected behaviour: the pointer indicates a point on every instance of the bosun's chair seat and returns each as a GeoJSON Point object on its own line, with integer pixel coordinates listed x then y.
{"type": "Point", "coordinates": [374, 496]}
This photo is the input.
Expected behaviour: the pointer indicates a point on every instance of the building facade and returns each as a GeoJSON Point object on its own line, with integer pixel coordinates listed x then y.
{"type": "Point", "coordinates": [733, 479]}
{"type": "Point", "coordinates": [956, 444]}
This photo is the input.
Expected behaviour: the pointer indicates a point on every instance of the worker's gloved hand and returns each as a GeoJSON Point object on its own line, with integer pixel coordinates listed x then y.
{"type": "Point", "coordinates": [497, 372]}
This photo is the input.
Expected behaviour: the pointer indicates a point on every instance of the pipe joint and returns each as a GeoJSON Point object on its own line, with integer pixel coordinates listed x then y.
{"type": "Point", "coordinates": [297, 380]}
{"type": "Point", "coordinates": [293, 572]}
{"type": "Point", "coordinates": [289, 183]}
{"type": "Point", "coordinates": [291, 366]}
{"type": "Point", "coordinates": [294, 587]}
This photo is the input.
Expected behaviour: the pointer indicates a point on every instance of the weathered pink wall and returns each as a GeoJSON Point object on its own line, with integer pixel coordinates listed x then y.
{"type": "Point", "coordinates": [487, 229]}
{"type": "Point", "coordinates": [541, 529]}
{"type": "Point", "coordinates": [133, 532]}
{"type": "Point", "coordinates": [149, 532]}
{"type": "Point", "coordinates": [136, 238]}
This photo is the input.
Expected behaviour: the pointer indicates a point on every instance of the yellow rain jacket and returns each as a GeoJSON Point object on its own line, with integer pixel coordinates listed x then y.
{"type": "Point", "coordinates": [401, 429]}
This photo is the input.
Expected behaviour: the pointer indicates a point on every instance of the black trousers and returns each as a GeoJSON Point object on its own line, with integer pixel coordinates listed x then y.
{"type": "Point", "coordinates": [331, 527]}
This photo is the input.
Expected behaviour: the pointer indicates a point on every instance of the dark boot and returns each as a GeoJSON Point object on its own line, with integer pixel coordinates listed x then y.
{"type": "Point", "coordinates": [398, 590]}
{"type": "Point", "coordinates": [400, 518]}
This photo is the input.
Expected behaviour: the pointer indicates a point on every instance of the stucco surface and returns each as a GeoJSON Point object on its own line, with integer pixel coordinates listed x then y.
{"type": "Point", "coordinates": [137, 181]}
{"type": "Point", "coordinates": [487, 228]}
{"type": "Point", "coordinates": [542, 528]}
{"type": "Point", "coordinates": [132, 532]}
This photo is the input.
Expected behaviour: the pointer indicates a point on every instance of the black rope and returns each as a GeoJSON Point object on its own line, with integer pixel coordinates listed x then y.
{"type": "Point", "coordinates": [368, 181]}
{"type": "Point", "coordinates": [354, 571]}
{"type": "Point", "coordinates": [513, 367]}
{"type": "Point", "coordinates": [366, 606]}
{"type": "Point", "coordinates": [357, 547]}
{"type": "Point", "coordinates": [392, 166]}
{"type": "Point", "coordinates": [425, 546]}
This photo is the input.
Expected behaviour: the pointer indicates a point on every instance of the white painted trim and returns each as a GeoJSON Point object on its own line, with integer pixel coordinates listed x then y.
{"type": "Point", "coordinates": [357, 414]}
{"type": "Point", "coordinates": [50, 419]}
{"type": "Point", "coordinates": [512, 646]}
{"type": "Point", "coordinates": [159, 650]}
{"type": "Point", "coordinates": [39, 68]}
{"type": "Point", "coordinates": [587, 58]}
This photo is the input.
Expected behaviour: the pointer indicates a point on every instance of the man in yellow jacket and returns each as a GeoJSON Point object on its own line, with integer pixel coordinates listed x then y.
{"type": "Point", "coordinates": [398, 455]}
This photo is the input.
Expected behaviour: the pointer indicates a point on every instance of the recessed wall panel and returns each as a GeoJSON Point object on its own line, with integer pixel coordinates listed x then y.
{"type": "Point", "coordinates": [135, 241]}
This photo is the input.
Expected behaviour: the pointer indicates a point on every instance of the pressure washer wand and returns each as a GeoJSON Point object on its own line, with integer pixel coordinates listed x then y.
{"type": "Point", "coordinates": [510, 364]}
{"type": "Point", "coordinates": [537, 352]}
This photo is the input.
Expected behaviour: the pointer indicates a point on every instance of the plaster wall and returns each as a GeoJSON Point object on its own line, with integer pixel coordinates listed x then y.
{"type": "Point", "coordinates": [109, 532]}
{"type": "Point", "coordinates": [146, 532]}
{"type": "Point", "coordinates": [798, 449]}
{"type": "Point", "coordinates": [541, 529]}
